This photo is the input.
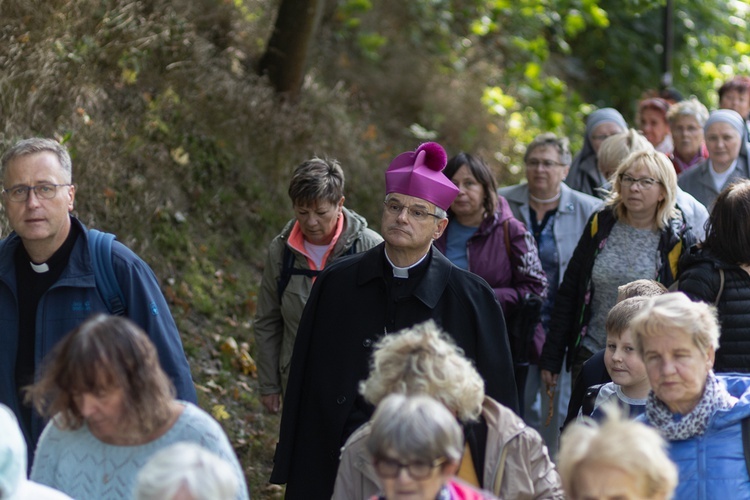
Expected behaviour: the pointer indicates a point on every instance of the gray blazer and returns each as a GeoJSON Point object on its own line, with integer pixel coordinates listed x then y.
{"type": "Point", "coordinates": [698, 182]}
{"type": "Point", "coordinates": [572, 215]}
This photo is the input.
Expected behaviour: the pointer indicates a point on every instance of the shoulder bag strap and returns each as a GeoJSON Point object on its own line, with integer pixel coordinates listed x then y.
{"type": "Point", "coordinates": [721, 287]}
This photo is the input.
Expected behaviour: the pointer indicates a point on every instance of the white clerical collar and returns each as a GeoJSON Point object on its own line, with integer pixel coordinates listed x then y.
{"type": "Point", "coordinates": [402, 272]}
{"type": "Point", "coordinates": [39, 268]}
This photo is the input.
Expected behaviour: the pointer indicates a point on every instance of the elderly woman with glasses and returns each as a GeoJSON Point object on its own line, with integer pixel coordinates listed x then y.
{"type": "Point", "coordinates": [416, 445]}
{"type": "Point", "coordinates": [584, 174]}
{"type": "Point", "coordinates": [555, 215]}
{"type": "Point", "coordinates": [640, 234]}
{"type": "Point", "coordinates": [485, 238]}
{"type": "Point", "coordinates": [686, 121]}
{"type": "Point", "coordinates": [699, 413]}
{"type": "Point", "coordinates": [500, 453]}
{"type": "Point", "coordinates": [726, 140]}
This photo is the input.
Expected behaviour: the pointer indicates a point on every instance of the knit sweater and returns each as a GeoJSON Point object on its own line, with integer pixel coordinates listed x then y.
{"type": "Point", "coordinates": [78, 464]}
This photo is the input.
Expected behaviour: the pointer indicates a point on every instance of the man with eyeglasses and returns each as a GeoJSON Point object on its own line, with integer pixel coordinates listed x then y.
{"type": "Point", "coordinates": [47, 282]}
{"type": "Point", "coordinates": [402, 282]}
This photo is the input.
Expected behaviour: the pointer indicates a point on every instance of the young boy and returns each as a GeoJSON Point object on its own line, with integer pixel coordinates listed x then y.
{"type": "Point", "coordinates": [629, 384]}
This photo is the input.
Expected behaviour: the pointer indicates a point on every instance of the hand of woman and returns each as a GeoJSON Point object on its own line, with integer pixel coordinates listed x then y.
{"type": "Point", "coordinates": [549, 378]}
{"type": "Point", "coordinates": [272, 402]}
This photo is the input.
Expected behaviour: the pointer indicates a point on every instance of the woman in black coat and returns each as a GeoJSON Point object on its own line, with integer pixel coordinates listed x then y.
{"type": "Point", "coordinates": [717, 271]}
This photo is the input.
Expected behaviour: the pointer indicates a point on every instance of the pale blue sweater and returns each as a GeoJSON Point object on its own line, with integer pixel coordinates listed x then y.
{"type": "Point", "coordinates": [78, 464]}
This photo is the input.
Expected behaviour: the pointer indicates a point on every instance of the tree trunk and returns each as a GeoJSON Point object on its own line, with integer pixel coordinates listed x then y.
{"type": "Point", "coordinates": [286, 55]}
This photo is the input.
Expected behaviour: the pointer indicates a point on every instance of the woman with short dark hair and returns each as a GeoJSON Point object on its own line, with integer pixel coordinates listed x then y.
{"type": "Point", "coordinates": [321, 231]}
{"type": "Point", "coordinates": [485, 238]}
{"type": "Point", "coordinates": [111, 408]}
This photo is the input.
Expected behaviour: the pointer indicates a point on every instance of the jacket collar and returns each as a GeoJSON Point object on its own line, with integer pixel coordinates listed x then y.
{"type": "Point", "coordinates": [78, 265]}
{"type": "Point", "coordinates": [430, 288]}
{"type": "Point", "coordinates": [520, 194]}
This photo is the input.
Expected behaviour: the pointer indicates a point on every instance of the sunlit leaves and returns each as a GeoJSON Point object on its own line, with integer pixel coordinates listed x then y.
{"type": "Point", "coordinates": [497, 101]}
{"type": "Point", "coordinates": [574, 23]}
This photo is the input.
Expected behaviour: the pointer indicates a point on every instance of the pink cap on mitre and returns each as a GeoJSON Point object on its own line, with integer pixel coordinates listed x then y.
{"type": "Point", "coordinates": [420, 174]}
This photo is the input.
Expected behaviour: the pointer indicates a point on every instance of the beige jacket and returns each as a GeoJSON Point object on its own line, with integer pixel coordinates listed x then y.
{"type": "Point", "coordinates": [528, 471]}
{"type": "Point", "coordinates": [276, 322]}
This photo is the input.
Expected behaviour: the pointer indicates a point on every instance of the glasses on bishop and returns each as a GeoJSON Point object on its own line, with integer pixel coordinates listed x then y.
{"type": "Point", "coordinates": [390, 469]}
{"type": "Point", "coordinates": [416, 213]}
{"type": "Point", "coordinates": [644, 183]}
{"type": "Point", "coordinates": [45, 191]}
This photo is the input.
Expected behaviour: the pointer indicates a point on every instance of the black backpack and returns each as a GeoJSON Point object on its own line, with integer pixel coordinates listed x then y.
{"type": "Point", "coordinates": [288, 269]}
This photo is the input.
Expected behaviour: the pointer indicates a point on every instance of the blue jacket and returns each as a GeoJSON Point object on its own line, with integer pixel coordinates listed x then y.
{"type": "Point", "coordinates": [71, 300]}
{"type": "Point", "coordinates": [713, 465]}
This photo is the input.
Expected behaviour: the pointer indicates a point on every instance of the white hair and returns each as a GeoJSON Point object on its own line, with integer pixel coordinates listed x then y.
{"type": "Point", "coordinates": [203, 474]}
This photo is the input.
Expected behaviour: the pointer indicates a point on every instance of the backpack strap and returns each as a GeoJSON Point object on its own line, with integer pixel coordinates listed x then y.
{"type": "Point", "coordinates": [288, 270]}
{"type": "Point", "coordinates": [100, 249]}
{"type": "Point", "coordinates": [745, 422]}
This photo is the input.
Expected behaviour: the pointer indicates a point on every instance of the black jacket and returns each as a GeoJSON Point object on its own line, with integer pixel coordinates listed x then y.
{"type": "Point", "coordinates": [572, 311]}
{"type": "Point", "coordinates": [699, 279]}
{"type": "Point", "coordinates": [347, 312]}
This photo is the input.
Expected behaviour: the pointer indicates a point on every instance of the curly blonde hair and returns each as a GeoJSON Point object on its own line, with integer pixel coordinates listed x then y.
{"type": "Point", "coordinates": [425, 360]}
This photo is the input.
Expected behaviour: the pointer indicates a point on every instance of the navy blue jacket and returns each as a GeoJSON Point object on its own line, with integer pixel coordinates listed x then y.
{"type": "Point", "coordinates": [71, 300]}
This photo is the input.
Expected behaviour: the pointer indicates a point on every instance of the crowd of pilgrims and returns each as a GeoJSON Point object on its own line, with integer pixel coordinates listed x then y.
{"type": "Point", "coordinates": [645, 225]}
{"type": "Point", "coordinates": [618, 277]}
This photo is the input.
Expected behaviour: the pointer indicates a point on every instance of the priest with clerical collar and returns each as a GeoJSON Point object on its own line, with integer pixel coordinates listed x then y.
{"type": "Point", "coordinates": [402, 282]}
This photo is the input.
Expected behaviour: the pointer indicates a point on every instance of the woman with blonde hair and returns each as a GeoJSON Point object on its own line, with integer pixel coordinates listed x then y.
{"type": "Point", "coordinates": [640, 234]}
{"type": "Point", "coordinates": [618, 147]}
{"type": "Point", "coordinates": [619, 458]}
{"type": "Point", "coordinates": [698, 412]}
{"type": "Point", "coordinates": [501, 453]}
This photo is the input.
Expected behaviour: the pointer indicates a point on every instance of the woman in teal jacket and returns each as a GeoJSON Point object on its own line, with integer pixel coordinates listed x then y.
{"type": "Point", "coordinates": [698, 412]}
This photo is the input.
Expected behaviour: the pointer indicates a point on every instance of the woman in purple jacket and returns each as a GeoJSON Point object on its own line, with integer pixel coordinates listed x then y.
{"type": "Point", "coordinates": [484, 237]}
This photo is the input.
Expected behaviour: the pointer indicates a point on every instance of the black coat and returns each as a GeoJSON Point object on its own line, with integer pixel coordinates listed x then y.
{"type": "Point", "coordinates": [348, 311]}
{"type": "Point", "coordinates": [700, 280]}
